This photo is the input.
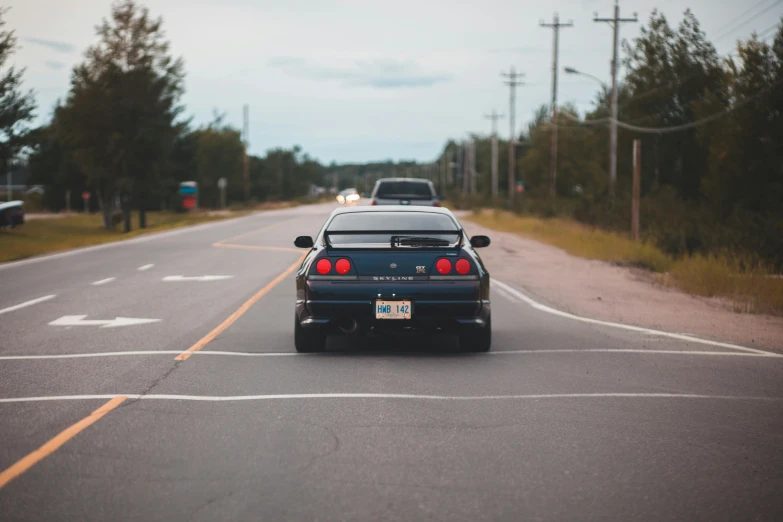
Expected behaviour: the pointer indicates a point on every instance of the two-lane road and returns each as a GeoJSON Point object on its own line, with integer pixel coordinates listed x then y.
{"type": "Point", "coordinates": [202, 410]}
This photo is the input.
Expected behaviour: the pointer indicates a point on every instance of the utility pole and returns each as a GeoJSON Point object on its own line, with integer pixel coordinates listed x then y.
{"type": "Point", "coordinates": [494, 117]}
{"type": "Point", "coordinates": [444, 164]}
{"type": "Point", "coordinates": [637, 167]}
{"type": "Point", "coordinates": [465, 168]}
{"type": "Point", "coordinates": [246, 143]}
{"type": "Point", "coordinates": [555, 26]}
{"type": "Point", "coordinates": [514, 80]}
{"type": "Point", "coordinates": [615, 22]}
{"type": "Point", "coordinates": [472, 166]}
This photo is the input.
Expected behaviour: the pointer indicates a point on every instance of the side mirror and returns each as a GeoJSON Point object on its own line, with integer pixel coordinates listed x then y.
{"type": "Point", "coordinates": [304, 242]}
{"type": "Point", "coordinates": [479, 241]}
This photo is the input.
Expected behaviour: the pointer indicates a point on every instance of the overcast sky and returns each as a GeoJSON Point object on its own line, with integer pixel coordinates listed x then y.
{"type": "Point", "coordinates": [362, 80]}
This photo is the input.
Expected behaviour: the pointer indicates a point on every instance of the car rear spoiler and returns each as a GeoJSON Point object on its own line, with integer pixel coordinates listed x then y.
{"type": "Point", "coordinates": [460, 233]}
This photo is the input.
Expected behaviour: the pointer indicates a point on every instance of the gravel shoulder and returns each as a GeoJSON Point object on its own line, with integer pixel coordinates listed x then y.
{"type": "Point", "coordinates": [605, 291]}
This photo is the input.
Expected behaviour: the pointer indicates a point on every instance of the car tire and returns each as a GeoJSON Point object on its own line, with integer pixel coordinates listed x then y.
{"type": "Point", "coordinates": [478, 340]}
{"type": "Point", "coordinates": [308, 340]}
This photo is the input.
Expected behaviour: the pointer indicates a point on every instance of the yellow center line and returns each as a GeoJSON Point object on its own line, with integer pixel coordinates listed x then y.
{"type": "Point", "coordinates": [54, 444]}
{"type": "Point", "coordinates": [201, 343]}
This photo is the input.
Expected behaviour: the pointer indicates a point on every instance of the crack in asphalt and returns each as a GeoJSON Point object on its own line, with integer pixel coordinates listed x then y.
{"type": "Point", "coordinates": [152, 385]}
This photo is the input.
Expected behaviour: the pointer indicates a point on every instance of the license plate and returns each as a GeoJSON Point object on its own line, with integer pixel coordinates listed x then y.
{"type": "Point", "coordinates": [393, 310]}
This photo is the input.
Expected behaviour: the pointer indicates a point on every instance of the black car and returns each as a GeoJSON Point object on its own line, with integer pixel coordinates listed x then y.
{"type": "Point", "coordinates": [392, 269]}
{"type": "Point", "coordinates": [11, 214]}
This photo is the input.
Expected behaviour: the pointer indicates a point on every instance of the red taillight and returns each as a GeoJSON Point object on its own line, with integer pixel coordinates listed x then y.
{"type": "Point", "coordinates": [323, 266]}
{"type": "Point", "coordinates": [436, 204]}
{"type": "Point", "coordinates": [343, 266]}
{"type": "Point", "coordinates": [463, 266]}
{"type": "Point", "coordinates": [373, 203]}
{"type": "Point", "coordinates": [443, 266]}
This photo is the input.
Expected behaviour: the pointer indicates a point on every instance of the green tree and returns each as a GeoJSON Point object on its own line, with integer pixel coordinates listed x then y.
{"type": "Point", "coordinates": [120, 115]}
{"type": "Point", "coordinates": [16, 107]}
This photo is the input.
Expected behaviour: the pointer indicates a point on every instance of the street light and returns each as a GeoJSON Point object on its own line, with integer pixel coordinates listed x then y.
{"type": "Point", "coordinates": [571, 70]}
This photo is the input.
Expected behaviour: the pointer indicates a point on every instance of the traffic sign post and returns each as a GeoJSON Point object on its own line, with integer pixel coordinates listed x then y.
{"type": "Point", "coordinates": [222, 184]}
{"type": "Point", "coordinates": [86, 199]}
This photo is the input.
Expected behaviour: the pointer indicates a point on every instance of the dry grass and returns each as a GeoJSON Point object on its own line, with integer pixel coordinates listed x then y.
{"type": "Point", "coordinates": [751, 287]}
{"type": "Point", "coordinates": [41, 236]}
{"type": "Point", "coordinates": [577, 239]}
{"type": "Point", "coordinates": [752, 290]}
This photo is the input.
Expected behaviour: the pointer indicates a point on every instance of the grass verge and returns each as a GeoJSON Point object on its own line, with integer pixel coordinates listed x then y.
{"type": "Point", "coordinates": [751, 288]}
{"type": "Point", "coordinates": [42, 236]}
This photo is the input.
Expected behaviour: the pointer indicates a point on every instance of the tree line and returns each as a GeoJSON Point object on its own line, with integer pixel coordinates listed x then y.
{"type": "Point", "coordinates": [715, 186]}
{"type": "Point", "coordinates": [120, 133]}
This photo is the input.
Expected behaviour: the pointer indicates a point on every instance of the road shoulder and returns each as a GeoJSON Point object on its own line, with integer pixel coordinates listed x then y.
{"type": "Point", "coordinates": [608, 292]}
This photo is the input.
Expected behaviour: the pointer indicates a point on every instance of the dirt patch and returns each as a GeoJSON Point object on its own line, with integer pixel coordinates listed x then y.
{"type": "Point", "coordinates": [609, 292]}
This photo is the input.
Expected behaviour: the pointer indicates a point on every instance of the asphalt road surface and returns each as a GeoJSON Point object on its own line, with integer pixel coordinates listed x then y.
{"type": "Point", "coordinates": [104, 418]}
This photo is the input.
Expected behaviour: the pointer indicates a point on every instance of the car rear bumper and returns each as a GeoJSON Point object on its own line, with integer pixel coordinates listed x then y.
{"type": "Point", "coordinates": [435, 305]}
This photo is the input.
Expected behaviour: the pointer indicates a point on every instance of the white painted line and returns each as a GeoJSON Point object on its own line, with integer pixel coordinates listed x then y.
{"type": "Point", "coordinates": [140, 239]}
{"type": "Point", "coordinates": [28, 303]}
{"type": "Point", "coordinates": [296, 354]}
{"type": "Point", "coordinates": [79, 320]}
{"type": "Point", "coordinates": [538, 306]}
{"type": "Point", "coordinates": [623, 350]}
{"type": "Point", "coordinates": [145, 267]}
{"type": "Point", "coordinates": [507, 295]}
{"type": "Point", "coordinates": [103, 281]}
{"type": "Point", "coordinates": [236, 398]}
{"type": "Point", "coordinates": [179, 278]}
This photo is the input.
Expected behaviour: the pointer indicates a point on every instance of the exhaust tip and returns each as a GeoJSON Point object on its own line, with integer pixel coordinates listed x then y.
{"type": "Point", "coordinates": [348, 326]}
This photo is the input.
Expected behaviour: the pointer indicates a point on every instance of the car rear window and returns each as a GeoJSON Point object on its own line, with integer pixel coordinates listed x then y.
{"type": "Point", "coordinates": [404, 190]}
{"type": "Point", "coordinates": [392, 221]}
{"type": "Point", "coordinates": [380, 227]}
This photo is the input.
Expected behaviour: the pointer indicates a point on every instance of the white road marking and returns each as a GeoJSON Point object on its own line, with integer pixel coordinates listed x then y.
{"type": "Point", "coordinates": [623, 350]}
{"type": "Point", "coordinates": [141, 239]}
{"type": "Point", "coordinates": [28, 303]}
{"type": "Point", "coordinates": [237, 398]}
{"type": "Point", "coordinates": [178, 278]}
{"type": "Point", "coordinates": [538, 306]}
{"type": "Point", "coordinates": [507, 295]}
{"type": "Point", "coordinates": [145, 267]}
{"type": "Point", "coordinates": [103, 281]}
{"type": "Point", "coordinates": [79, 320]}
{"type": "Point", "coordinates": [296, 354]}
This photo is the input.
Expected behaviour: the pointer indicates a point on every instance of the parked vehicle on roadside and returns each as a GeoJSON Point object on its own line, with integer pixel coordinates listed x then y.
{"type": "Point", "coordinates": [11, 214]}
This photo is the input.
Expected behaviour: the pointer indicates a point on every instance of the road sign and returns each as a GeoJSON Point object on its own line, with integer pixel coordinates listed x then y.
{"type": "Point", "coordinates": [79, 320]}
{"type": "Point", "coordinates": [222, 183]}
{"type": "Point", "coordinates": [86, 196]}
{"type": "Point", "coordinates": [520, 186]}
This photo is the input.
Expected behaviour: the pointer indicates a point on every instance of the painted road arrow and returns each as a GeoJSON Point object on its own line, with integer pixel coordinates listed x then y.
{"type": "Point", "coordinates": [79, 320]}
{"type": "Point", "coordinates": [178, 278]}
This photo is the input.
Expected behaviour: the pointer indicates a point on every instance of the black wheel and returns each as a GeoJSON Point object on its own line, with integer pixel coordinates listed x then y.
{"type": "Point", "coordinates": [308, 340]}
{"type": "Point", "coordinates": [477, 339]}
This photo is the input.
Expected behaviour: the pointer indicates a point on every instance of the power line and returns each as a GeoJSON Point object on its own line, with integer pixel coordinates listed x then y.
{"type": "Point", "coordinates": [737, 26]}
{"type": "Point", "coordinates": [679, 128]}
{"type": "Point", "coordinates": [720, 29]}
{"type": "Point", "coordinates": [555, 26]}
{"type": "Point", "coordinates": [769, 31]}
